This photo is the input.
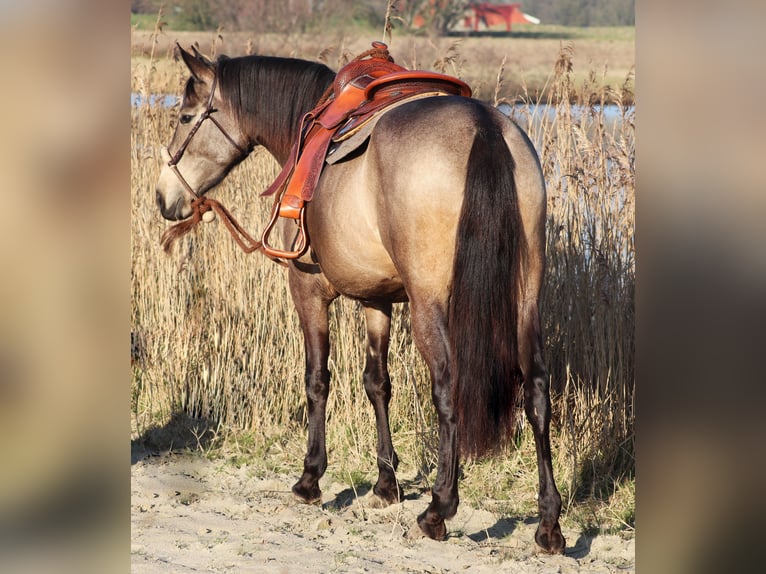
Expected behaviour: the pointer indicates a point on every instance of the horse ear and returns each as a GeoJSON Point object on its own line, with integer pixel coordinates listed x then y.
{"type": "Point", "coordinates": [198, 53]}
{"type": "Point", "coordinates": [200, 67]}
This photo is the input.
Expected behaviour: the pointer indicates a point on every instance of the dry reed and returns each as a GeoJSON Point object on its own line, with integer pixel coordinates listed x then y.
{"type": "Point", "coordinates": [215, 337]}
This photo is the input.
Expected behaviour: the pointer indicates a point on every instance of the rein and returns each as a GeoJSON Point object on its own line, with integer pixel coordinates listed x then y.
{"type": "Point", "coordinates": [200, 206]}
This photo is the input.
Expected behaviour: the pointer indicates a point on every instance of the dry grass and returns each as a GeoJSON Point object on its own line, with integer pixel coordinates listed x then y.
{"type": "Point", "coordinates": [216, 341]}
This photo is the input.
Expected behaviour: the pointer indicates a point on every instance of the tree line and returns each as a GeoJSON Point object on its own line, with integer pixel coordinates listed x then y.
{"type": "Point", "coordinates": [583, 12]}
{"type": "Point", "coordinates": [300, 15]}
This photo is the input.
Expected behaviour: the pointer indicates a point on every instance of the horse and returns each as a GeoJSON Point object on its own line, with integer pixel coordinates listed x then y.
{"type": "Point", "coordinates": [444, 207]}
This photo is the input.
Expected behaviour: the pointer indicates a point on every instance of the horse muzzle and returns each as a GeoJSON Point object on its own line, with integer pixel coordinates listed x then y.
{"type": "Point", "coordinates": [175, 211]}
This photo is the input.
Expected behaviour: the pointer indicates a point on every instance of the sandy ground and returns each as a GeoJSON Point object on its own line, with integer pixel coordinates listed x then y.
{"type": "Point", "coordinates": [189, 514]}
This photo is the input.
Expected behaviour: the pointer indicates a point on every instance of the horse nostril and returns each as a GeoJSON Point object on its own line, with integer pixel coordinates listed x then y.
{"type": "Point", "coordinates": [158, 199]}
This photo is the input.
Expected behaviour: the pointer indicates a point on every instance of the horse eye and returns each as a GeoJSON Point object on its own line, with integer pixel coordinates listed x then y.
{"type": "Point", "coordinates": [186, 118]}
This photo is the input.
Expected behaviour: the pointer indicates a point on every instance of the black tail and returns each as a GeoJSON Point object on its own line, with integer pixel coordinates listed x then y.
{"type": "Point", "coordinates": [484, 300]}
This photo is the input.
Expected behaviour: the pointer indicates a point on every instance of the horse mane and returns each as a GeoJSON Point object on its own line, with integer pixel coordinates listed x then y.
{"type": "Point", "coordinates": [270, 95]}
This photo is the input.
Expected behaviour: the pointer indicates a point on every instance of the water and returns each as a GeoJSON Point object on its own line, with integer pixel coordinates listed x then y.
{"type": "Point", "coordinates": [165, 100]}
{"type": "Point", "coordinates": [612, 114]}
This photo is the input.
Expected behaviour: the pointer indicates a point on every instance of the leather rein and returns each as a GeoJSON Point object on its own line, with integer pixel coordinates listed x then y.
{"type": "Point", "coordinates": [202, 204]}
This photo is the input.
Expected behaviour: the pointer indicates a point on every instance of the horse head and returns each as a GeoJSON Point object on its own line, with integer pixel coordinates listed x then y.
{"type": "Point", "coordinates": [207, 143]}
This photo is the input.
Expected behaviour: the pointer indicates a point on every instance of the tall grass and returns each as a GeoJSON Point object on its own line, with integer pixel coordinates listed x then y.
{"type": "Point", "coordinates": [588, 160]}
{"type": "Point", "coordinates": [215, 337]}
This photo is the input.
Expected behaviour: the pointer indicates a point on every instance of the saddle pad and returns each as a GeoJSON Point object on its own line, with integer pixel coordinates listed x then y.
{"type": "Point", "coordinates": [349, 141]}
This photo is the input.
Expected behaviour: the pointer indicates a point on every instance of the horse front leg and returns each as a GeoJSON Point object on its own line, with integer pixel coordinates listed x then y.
{"type": "Point", "coordinates": [314, 319]}
{"type": "Point", "coordinates": [537, 405]}
{"type": "Point", "coordinates": [377, 385]}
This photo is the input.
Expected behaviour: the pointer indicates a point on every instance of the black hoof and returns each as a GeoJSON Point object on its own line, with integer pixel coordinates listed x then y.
{"type": "Point", "coordinates": [550, 539]}
{"type": "Point", "coordinates": [389, 493]}
{"type": "Point", "coordinates": [433, 527]}
{"type": "Point", "coordinates": [307, 495]}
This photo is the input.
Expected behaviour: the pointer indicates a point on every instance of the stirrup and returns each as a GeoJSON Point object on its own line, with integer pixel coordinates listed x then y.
{"type": "Point", "coordinates": [302, 240]}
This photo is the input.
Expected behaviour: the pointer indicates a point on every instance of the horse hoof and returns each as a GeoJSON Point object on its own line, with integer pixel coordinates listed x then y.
{"type": "Point", "coordinates": [550, 539]}
{"type": "Point", "coordinates": [414, 533]}
{"type": "Point", "coordinates": [389, 495]}
{"type": "Point", "coordinates": [434, 529]}
{"type": "Point", "coordinates": [307, 495]}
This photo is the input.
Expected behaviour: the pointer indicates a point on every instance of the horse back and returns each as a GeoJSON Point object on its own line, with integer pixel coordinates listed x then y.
{"type": "Point", "coordinates": [389, 215]}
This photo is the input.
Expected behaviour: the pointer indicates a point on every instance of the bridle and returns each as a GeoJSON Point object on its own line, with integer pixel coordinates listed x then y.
{"type": "Point", "coordinates": [202, 204]}
{"type": "Point", "coordinates": [207, 114]}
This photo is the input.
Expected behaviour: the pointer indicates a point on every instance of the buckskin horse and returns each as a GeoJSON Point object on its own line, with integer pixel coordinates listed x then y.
{"type": "Point", "coordinates": [443, 206]}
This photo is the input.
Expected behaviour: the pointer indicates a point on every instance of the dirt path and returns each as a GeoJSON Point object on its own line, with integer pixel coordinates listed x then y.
{"type": "Point", "coordinates": [193, 515]}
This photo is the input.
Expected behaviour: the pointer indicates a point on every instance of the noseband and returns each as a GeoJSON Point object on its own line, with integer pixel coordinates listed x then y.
{"type": "Point", "coordinates": [207, 114]}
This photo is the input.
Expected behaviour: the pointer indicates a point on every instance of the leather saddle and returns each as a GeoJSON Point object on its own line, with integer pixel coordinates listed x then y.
{"type": "Point", "coordinates": [363, 90]}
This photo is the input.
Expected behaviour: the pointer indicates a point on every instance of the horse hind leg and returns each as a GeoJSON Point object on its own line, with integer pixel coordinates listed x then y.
{"type": "Point", "coordinates": [377, 385]}
{"type": "Point", "coordinates": [537, 405]}
{"type": "Point", "coordinates": [430, 334]}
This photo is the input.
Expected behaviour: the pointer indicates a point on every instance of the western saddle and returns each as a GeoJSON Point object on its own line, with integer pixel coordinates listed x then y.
{"type": "Point", "coordinates": [365, 88]}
